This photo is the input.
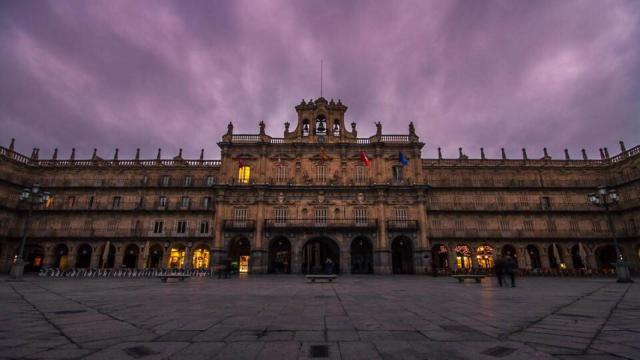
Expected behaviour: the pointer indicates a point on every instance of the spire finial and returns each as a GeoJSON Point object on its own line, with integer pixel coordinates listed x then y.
{"type": "Point", "coordinates": [115, 155]}
{"type": "Point", "coordinates": [622, 147]}
{"type": "Point", "coordinates": [504, 154]}
{"type": "Point", "coordinates": [439, 154]}
{"type": "Point", "coordinates": [606, 153]}
{"type": "Point", "coordinates": [201, 154]}
{"type": "Point", "coordinates": [584, 155]}
{"type": "Point", "coordinates": [55, 154]}
{"type": "Point", "coordinates": [482, 153]}
{"type": "Point", "coordinates": [566, 154]}
{"type": "Point", "coordinates": [137, 154]}
{"type": "Point", "coordinates": [95, 153]}
{"type": "Point", "coordinates": [159, 153]}
{"type": "Point", "coordinates": [73, 154]}
{"type": "Point", "coordinates": [524, 154]}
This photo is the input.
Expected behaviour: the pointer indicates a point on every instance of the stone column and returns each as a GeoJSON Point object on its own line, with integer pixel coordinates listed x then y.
{"type": "Point", "coordinates": [544, 257]}
{"type": "Point", "coordinates": [520, 258]}
{"type": "Point", "coordinates": [568, 258]}
{"type": "Point", "coordinates": [49, 255]}
{"type": "Point", "coordinates": [218, 252]}
{"type": "Point", "coordinates": [95, 257]}
{"type": "Point", "coordinates": [165, 255]}
{"type": "Point", "coordinates": [474, 258]}
{"type": "Point", "coordinates": [258, 254]}
{"type": "Point", "coordinates": [187, 257]}
{"type": "Point", "coordinates": [451, 256]}
{"type": "Point", "coordinates": [119, 256]}
{"type": "Point", "coordinates": [71, 257]}
{"type": "Point", "coordinates": [382, 260]}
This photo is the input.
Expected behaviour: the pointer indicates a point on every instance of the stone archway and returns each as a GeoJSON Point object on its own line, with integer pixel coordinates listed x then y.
{"type": "Point", "coordinates": [108, 256]}
{"type": "Point", "coordinates": [402, 255]}
{"type": "Point", "coordinates": [533, 259]}
{"type": "Point", "coordinates": [606, 257]}
{"type": "Point", "coordinates": [315, 253]}
{"type": "Point", "coordinates": [239, 254]}
{"type": "Point", "coordinates": [279, 256]}
{"type": "Point", "coordinates": [83, 258]}
{"type": "Point", "coordinates": [154, 260]}
{"type": "Point", "coordinates": [578, 259]}
{"type": "Point", "coordinates": [130, 258]}
{"type": "Point", "coordinates": [33, 257]}
{"type": "Point", "coordinates": [61, 257]}
{"type": "Point", "coordinates": [361, 256]}
{"type": "Point", "coordinates": [201, 257]}
{"type": "Point", "coordinates": [555, 256]}
{"type": "Point", "coordinates": [177, 256]}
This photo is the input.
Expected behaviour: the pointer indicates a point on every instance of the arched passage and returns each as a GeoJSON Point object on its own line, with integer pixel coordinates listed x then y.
{"type": "Point", "coordinates": [606, 256]}
{"type": "Point", "coordinates": [316, 252]}
{"type": "Point", "coordinates": [61, 257]}
{"type": "Point", "coordinates": [361, 256]}
{"type": "Point", "coordinates": [440, 256]}
{"type": "Point", "coordinates": [239, 254]}
{"type": "Point", "coordinates": [177, 256]}
{"type": "Point", "coordinates": [154, 260]}
{"type": "Point", "coordinates": [280, 256]}
{"type": "Point", "coordinates": [532, 257]}
{"type": "Point", "coordinates": [83, 258]}
{"type": "Point", "coordinates": [509, 250]}
{"type": "Point", "coordinates": [107, 256]}
{"type": "Point", "coordinates": [131, 254]}
{"type": "Point", "coordinates": [402, 255]}
{"type": "Point", "coordinates": [33, 256]}
{"type": "Point", "coordinates": [463, 257]}
{"type": "Point", "coordinates": [485, 256]}
{"type": "Point", "coordinates": [578, 256]}
{"type": "Point", "coordinates": [201, 257]}
{"type": "Point", "coordinates": [555, 256]}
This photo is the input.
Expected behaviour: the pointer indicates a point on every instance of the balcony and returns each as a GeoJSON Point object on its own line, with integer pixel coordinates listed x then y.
{"type": "Point", "coordinates": [239, 225]}
{"type": "Point", "coordinates": [103, 233]}
{"type": "Point", "coordinates": [402, 225]}
{"type": "Point", "coordinates": [324, 224]}
{"type": "Point", "coordinates": [467, 233]}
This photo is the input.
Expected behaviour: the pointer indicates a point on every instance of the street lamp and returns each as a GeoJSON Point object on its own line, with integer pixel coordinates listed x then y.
{"type": "Point", "coordinates": [33, 197]}
{"type": "Point", "coordinates": [605, 198]}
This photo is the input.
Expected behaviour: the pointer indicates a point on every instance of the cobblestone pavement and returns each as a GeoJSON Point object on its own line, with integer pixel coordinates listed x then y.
{"type": "Point", "coordinates": [282, 317]}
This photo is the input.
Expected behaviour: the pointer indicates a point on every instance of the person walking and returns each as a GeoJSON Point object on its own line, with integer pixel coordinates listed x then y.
{"type": "Point", "coordinates": [499, 268]}
{"type": "Point", "coordinates": [510, 268]}
{"type": "Point", "coordinates": [328, 267]}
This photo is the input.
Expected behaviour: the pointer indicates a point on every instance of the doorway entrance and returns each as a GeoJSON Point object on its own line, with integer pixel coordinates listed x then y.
{"type": "Point", "coordinates": [315, 254]}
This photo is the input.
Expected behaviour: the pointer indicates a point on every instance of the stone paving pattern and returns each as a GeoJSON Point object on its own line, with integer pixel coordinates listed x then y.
{"type": "Point", "coordinates": [285, 317]}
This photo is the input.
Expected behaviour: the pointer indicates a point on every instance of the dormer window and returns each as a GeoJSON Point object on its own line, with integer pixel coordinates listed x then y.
{"type": "Point", "coordinates": [336, 127]}
{"type": "Point", "coordinates": [305, 127]}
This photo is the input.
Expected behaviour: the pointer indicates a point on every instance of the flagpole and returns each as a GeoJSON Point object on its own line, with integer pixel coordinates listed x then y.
{"type": "Point", "coordinates": [321, 63]}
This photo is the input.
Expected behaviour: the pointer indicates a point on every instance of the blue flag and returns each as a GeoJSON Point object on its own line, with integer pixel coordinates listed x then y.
{"type": "Point", "coordinates": [403, 160]}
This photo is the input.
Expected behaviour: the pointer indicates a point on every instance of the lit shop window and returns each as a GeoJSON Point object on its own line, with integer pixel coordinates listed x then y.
{"type": "Point", "coordinates": [484, 254]}
{"type": "Point", "coordinates": [244, 174]}
{"type": "Point", "coordinates": [176, 258]}
{"type": "Point", "coordinates": [201, 259]}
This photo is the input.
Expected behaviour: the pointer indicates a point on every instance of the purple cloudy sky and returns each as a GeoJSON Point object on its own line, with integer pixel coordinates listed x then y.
{"type": "Point", "coordinates": [152, 74]}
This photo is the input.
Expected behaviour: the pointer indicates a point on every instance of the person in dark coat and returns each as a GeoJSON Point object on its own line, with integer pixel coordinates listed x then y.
{"type": "Point", "coordinates": [328, 267]}
{"type": "Point", "coordinates": [499, 268]}
{"type": "Point", "coordinates": [510, 269]}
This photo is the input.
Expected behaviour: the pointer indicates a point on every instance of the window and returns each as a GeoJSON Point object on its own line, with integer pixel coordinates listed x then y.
{"type": "Point", "coordinates": [528, 225]}
{"type": "Point", "coordinates": [112, 225]}
{"type": "Point", "coordinates": [240, 217]}
{"type": "Point", "coordinates": [188, 180]}
{"type": "Point", "coordinates": [88, 225]}
{"type": "Point", "coordinates": [145, 180]}
{"type": "Point", "coordinates": [400, 217]}
{"type": "Point", "coordinates": [90, 205]}
{"type": "Point", "coordinates": [209, 180]}
{"type": "Point", "coordinates": [206, 202]}
{"type": "Point", "coordinates": [305, 127]}
{"type": "Point", "coordinates": [66, 225]}
{"type": "Point", "coordinates": [115, 204]}
{"type": "Point", "coordinates": [184, 202]}
{"type": "Point", "coordinates": [157, 226]}
{"type": "Point", "coordinates": [336, 127]}
{"type": "Point", "coordinates": [397, 173]}
{"type": "Point", "coordinates": [504, 225]}
{"type": "Point", "coordinates": [595, 226]}
{"type": "Point", "coordinates": [244, 174]}
{"type": "Point", "coordinates": [459, 224]}
{"type": "Point", "coordinates": [141, 202]}
{"type": "Point", "coordinates": [482, 225]}
{"type": "Point", "coordinates": [135, 226]}
{"type": "Point", "coordinates": [71, 202]}
{"type": "Point", "coordinates": [181, 227]}
{"type": "Point", "coordinates": [524, 201]}
{"type": "Point", "coordinates": [280, 215]}
{"type": "Point", "coordinates": [551, 226]}
{"type": "Point", "coordinates": [163, 201]}
{"type": "Point", "coordinates": [281, 174]}
{"type": "Point", "coordinates": [361, 174]}
{"type": "Point", "coordinates": [573, 225]}
{"type": "Point", "coordinates": [321, 216]}
{"type": "Point", "coordinates": [361, 216]}
{"type": "Point", "coordinates": [49, 204]}
{"type": "Point", "coordinates": [545, 203]}
{"type": "Point", "coordinates": [204, 227]}
{"type": "Point", "coordinates": [165, 180]}
{"type": "Point", "coordinates": [500, 200]}
{"type": "Point", "coordinates": [321, 125]}
{"type": "Point", "coordinates": [321, 172]}
{"type": "Point", "coordinates": [631, 226]}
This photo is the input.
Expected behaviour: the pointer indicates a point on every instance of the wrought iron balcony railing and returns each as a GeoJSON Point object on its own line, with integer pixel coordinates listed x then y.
{"type": "Point", "coordinates": [321, 223]}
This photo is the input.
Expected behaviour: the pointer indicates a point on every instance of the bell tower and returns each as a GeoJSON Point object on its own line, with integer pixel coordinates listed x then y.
{"type": "Point", "coordinates": [320, 121]}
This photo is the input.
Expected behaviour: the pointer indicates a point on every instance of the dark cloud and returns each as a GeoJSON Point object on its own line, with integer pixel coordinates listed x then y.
{"type": "Point", "coordinates": [510, 74]}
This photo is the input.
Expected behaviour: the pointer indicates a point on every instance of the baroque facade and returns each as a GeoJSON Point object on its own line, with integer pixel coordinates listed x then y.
{"type": "Point", "coordinates": [285, 205]}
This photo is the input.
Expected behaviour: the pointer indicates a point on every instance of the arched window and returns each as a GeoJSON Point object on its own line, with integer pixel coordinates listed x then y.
{"type": "Point", "coordinates": [244, 174]}
{"type": "Point", "coordinates": [305, 127]}
{"type": "Point", "coordinates": [336, 127]}
{"type": "Point", "coordinates": [321, 125]}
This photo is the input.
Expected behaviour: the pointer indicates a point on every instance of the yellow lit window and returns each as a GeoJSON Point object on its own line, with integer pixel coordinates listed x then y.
{"type": "Point", "coordinates": [176, 260]}
{"type": "Point", "coordinates": [201, 259]}
{"type": "Point", "coordinates": [244, 173]}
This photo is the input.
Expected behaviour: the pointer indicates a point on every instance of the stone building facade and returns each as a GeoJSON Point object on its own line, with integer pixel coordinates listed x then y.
{"type": "Point", "coordinates": [285, 205]}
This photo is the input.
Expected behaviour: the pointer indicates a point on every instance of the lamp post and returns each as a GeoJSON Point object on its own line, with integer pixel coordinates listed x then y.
{"type": "Point", "coordinates": [33, 197]}
{"type": "Point", "coordinates": [605, 198]}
